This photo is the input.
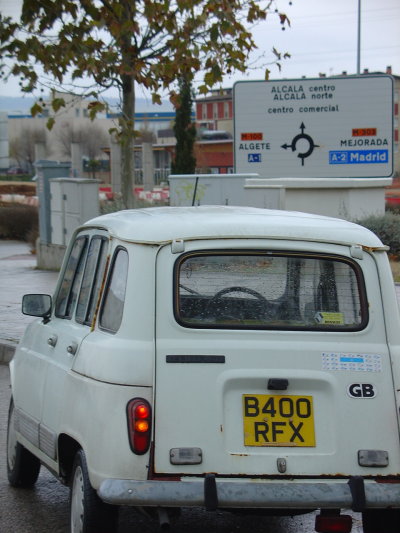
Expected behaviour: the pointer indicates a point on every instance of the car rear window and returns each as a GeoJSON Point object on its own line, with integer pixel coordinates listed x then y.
{"type": "Point", "coordinates": [269, 290]}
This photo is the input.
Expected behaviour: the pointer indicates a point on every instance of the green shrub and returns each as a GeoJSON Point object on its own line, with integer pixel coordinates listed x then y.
{"type": "Point", "coordinates": [111, 206]}
{"type": "Point", "coordinates": [393, 208]}
{"type": "Point", "coordinates": [18, 177]}
{"type": "Point", "coordinates": [386, 227]}
{"type": "Point", "coordinates": [18, 222]}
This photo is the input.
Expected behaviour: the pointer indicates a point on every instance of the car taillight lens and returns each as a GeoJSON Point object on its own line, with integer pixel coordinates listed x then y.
{"type": "Point", "coordinates": [139, 425]}
{"type": "Point", "coordinates": [340, 523]}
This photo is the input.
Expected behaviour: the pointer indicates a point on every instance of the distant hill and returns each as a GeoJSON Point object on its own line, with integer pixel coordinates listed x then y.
{"type": "Point", "coordinates": [22, 105]}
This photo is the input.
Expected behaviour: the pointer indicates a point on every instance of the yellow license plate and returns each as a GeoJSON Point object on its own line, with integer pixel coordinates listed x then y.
{"type": "Point", "coordinates": [272, 420]}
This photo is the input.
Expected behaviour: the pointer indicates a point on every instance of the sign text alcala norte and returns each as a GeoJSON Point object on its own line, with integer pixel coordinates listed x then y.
{"type": "Point", "coordinates": [297, 92]}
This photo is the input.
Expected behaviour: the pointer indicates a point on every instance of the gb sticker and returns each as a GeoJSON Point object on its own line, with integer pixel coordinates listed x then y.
{"type": "Point", "coordinates": [361, 390]}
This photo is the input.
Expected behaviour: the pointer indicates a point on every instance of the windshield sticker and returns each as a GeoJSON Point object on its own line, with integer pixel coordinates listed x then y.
{"type": "Point", "coordinates": [323, 317]}
{"type": "Point", "coordinates": [352, 362]}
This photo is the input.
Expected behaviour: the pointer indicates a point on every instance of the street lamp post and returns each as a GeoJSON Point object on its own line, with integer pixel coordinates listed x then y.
{"type": "Point", "coordinates": [359, 39]}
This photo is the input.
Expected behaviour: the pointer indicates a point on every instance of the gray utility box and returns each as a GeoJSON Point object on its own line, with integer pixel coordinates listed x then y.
{"type": "Point", "coordinates": [46, 170]}
{"type": "Point", "coordinates": [73, 202]}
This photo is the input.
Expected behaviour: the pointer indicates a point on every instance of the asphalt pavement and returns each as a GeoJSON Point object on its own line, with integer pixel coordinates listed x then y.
{"type": "Point", "coordinates": [18, 276]}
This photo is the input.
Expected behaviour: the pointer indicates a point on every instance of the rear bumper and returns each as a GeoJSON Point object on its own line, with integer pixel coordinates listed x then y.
{"type": "Point", "coordinates": [228, 493]}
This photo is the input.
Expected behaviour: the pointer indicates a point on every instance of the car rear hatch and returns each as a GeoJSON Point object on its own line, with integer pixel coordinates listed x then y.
{"type": "Point", "coordinates": [272, 360]}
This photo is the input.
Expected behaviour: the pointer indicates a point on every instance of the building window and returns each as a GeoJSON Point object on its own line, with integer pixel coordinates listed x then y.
{"type": "Point", "coordinates": [215, 110]}
{"type": "Point", "coordinates": [226, 110]}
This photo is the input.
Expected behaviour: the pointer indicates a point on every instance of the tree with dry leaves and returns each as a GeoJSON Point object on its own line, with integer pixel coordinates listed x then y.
{"type": "Point", "coordinates": [98, 44]}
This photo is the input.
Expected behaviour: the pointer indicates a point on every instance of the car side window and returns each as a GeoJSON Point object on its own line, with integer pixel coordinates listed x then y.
{"type": "Point", "coordinates": [68, 290]}
{"type": "Point", "coordinates": [91, 281]}
{"type": "Point", "coordinates": [114, 297]}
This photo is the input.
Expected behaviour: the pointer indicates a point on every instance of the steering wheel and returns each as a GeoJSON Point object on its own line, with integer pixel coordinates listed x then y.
{"type": "Point", "coordinates": [217, 296]}
{"type": "Point", "coordinates": [216, 305]}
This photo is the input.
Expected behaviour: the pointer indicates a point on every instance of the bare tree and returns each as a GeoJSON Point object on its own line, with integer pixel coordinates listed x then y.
{"type": "Point", "coordinates": [22, 148]}
{"type": "Point", "coordinates": [90, 136]}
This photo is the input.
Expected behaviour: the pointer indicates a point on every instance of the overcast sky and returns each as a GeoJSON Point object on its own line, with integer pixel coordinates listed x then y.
{"type": "Point", "coordinates": [322, 39]}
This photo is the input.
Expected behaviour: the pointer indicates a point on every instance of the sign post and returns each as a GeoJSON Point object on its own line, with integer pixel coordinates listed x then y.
{"type": "Point", "coordinates": [315, 128]}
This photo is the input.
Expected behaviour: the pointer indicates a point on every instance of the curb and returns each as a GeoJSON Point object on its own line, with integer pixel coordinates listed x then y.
{"type": "Point", "coordinates": [6, 353]}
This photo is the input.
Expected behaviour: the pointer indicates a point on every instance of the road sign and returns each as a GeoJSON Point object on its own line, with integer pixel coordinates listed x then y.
{"type": "Point", "coordinates": [323, 128]}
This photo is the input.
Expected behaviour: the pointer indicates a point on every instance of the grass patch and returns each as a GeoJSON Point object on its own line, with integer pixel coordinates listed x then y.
{"type": "Point", "coordinates": [18, 177]}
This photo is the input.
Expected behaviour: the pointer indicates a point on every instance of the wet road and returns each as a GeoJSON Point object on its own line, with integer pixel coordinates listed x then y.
{"type": "Point", "coordinates": [45, 508]}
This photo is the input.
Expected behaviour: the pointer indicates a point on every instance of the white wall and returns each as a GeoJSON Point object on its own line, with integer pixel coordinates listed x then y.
{"type": "Point", "coordinates": [346, 198]}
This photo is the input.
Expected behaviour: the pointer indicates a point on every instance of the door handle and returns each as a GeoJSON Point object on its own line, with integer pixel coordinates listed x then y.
{"type": "Point", "coordinates": [71, 349]}
{"type": "Point", "coordinates": [52, 341]}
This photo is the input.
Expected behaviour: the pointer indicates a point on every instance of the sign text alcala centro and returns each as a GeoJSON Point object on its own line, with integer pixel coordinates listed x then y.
{"type": "Point", "coordinates": [322, 128]}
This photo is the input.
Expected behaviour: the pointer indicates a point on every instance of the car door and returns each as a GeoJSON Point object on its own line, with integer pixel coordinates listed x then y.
{"type": "Point", "coordinates": [74, 311]}
{"type": "Point", "coordinates": [271, 359]}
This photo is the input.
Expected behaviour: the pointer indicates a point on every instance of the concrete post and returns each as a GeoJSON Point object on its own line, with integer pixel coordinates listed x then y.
{"type": "Point", "coordinates": [4, 148]}
{"type": "Point", "coordinates": [40, 151]}
{"type": "Point", "coordinates": [148, 166]}
{"type": "Point", "coordinates": [115, 167]}
{"type": "Point", "coordinates": [76, 160]}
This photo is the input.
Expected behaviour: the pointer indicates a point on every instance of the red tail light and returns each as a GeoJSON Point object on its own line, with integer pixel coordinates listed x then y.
{"type": "Point", "coordinates": [139, 425]}
{"type": "Point", "coordinates": [340, 523]}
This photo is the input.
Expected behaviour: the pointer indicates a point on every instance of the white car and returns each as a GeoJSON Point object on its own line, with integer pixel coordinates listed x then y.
{"type": "Point", "coordinates": [225, 357]}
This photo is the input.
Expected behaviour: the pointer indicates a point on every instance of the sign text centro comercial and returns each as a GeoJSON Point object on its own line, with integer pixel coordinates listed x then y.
{"type": "Point", "coordinates": [321, 128]}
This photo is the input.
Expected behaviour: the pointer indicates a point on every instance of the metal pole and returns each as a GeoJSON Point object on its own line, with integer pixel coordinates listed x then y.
{"type": "Point", "coordinates": [359, 39]}
{"type": "Point", "coordinates": [195, 190]}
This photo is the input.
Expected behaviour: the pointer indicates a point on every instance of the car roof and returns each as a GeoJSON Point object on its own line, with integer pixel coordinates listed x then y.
{"type": "Point", "coordinates": [159, 225]}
